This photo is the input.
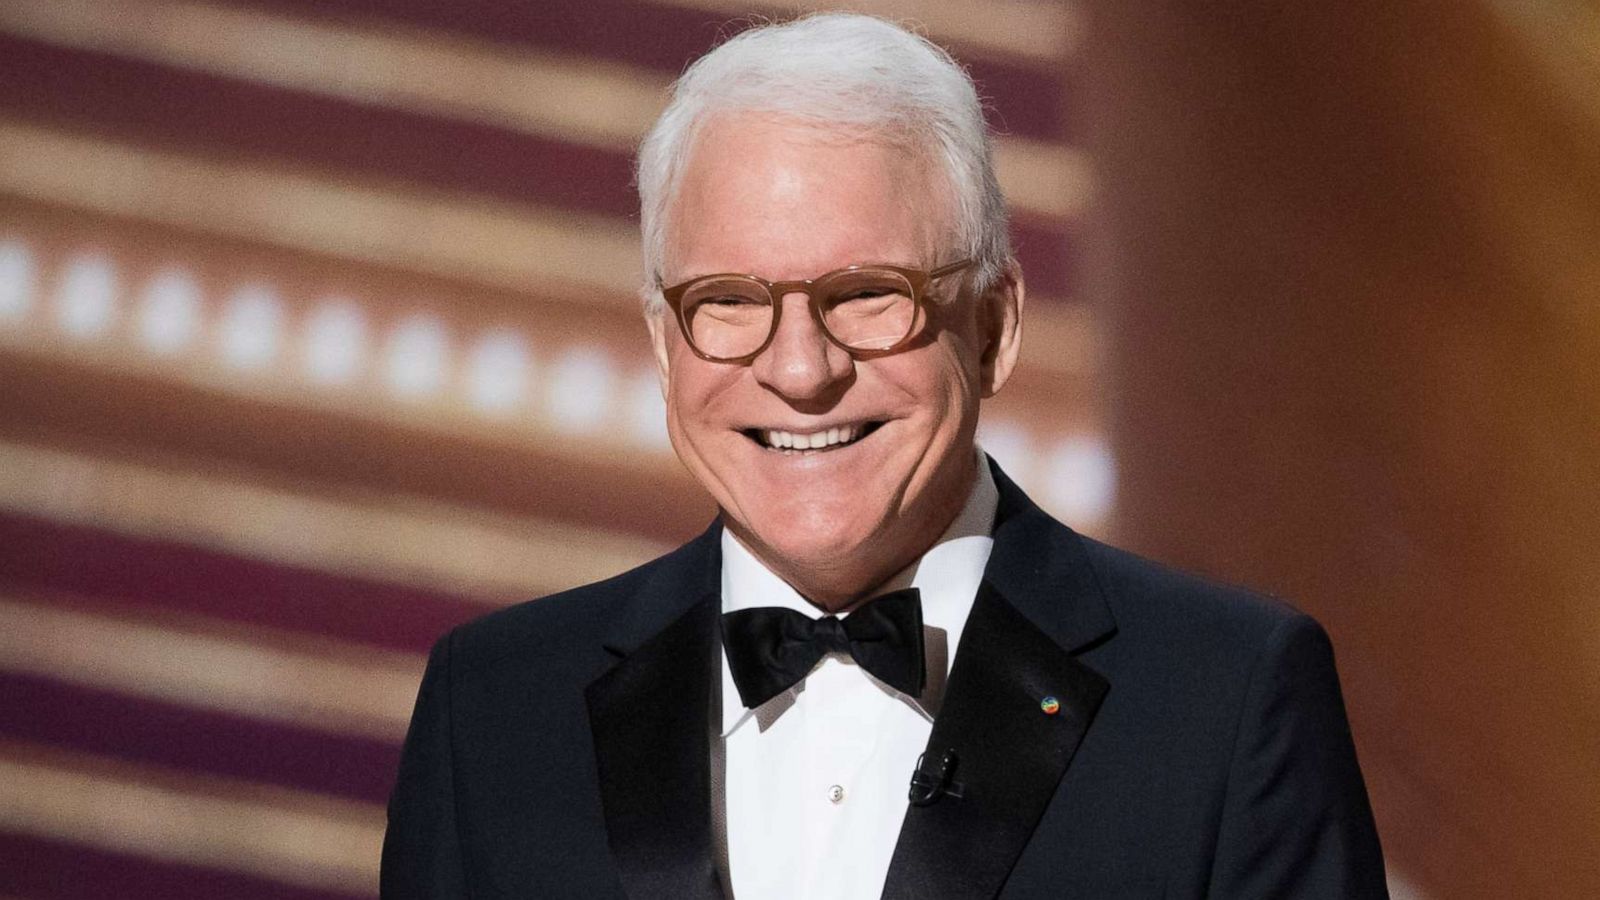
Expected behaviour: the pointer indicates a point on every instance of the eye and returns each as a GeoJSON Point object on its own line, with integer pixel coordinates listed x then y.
{"type": "Point", "coordinates": [867, 293]}
{"type": "Point", "coordinates": [864, 291]}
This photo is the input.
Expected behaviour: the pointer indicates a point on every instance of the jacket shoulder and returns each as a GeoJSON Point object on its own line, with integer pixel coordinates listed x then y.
{"type": "Point", "coordinates": [1152, 598]}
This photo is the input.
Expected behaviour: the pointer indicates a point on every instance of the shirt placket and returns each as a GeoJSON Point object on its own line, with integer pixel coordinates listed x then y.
{"type": "Point", "coordinates": [840, 736]}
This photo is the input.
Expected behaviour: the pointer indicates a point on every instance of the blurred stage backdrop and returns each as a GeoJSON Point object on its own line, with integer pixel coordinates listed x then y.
{"type": "Point", "coordinates": [318, 335]}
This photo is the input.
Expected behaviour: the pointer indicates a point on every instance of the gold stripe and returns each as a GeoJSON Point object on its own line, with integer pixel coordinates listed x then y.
{"type": "Point", "coordinates": [1045, 32]}
{"type": "Point", "coordinates": [592, 104]}
{"type": "Point", "coordinates": [1061, 341]}
{"type": "Point", "coordinates": [287, 836]}
{"type": "Point", "coordinates": [341, 689]}
{"type": "Point", "coordinates": [381, 537]}
{"type": "Point", "coordinates": [1044, 179]}
{"type": "Point", "coordinates": [472, 240]}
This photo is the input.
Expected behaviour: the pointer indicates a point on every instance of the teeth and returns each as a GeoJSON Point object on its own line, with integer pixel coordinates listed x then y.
{"type": "Point", "coordinates": [788, 440]}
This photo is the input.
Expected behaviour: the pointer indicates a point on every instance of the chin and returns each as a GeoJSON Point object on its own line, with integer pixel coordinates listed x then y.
{"type": "Point", "coordinates": [818, 538]}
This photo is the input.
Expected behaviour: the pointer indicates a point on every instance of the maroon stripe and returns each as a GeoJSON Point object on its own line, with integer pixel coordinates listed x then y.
{"type": "Point", "coordinates": [1026, 100]}
{"type": "Point", "coordinates": [106, 568]}
{"type": "Point", "coordinates": [1048, 254]}
{"type": "Point", "coordinates": [153, 103]}
{"type": "Point", "coordinates": [146, 102]}
{"type": "Point", "coordinates": [42, 869]}
{"type": "Point", "coordinates": [40, 711]}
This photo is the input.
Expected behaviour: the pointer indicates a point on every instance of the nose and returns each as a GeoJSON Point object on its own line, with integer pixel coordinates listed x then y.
{"type": "Point", "coordinates": [801, 364]}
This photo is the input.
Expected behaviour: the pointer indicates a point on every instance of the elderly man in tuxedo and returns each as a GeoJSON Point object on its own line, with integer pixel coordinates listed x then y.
{"type": "Point", "coordinates": [883, 671]}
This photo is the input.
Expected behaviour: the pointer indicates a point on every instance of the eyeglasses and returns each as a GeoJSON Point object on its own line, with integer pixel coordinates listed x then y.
{"type": "Point", "coordinates": [866, 310]}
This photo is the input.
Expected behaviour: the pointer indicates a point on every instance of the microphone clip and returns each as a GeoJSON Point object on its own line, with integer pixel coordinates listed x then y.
{"type": "Point", "coordinates": [926, 789]}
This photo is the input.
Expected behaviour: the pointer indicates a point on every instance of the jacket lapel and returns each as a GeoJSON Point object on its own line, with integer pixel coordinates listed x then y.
{"type": "Point", "coordinates": [1039, 603]}
{"type": "Point", "coordinates": [650, 718]}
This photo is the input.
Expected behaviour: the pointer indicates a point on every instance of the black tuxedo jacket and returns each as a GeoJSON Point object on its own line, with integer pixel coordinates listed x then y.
{"type": "Point", "coordinates": [561, 748]}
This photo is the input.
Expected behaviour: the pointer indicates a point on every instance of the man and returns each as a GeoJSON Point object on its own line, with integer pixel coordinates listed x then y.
{"type": "Point", "coordinates": [768, 711]}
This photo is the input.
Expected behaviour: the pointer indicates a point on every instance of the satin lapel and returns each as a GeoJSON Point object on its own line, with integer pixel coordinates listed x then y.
{"type": "Point", "coordinates": [1010, 755]}
{"type": "Point", "coordinates": [1038, 604]}
{"type": "Point", "coordinates": [650, 719]}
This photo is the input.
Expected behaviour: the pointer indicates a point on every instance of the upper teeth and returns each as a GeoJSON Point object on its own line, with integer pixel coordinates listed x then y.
{"type": "Point", "coordinates": [788, 439]}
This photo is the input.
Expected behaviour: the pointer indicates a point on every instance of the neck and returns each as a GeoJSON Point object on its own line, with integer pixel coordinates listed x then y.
{"type": "Point", "coordinates": [845, 581]}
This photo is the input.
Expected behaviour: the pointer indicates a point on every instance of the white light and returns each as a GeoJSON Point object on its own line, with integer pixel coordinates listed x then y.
{"type": "Point", "coordinates": [580, 390]}
{"type": "Point", "coordinates": [647, 412]}
{"type": "Point", "coordinates": [1081, 480]}
{"type": "Point", "coordinates": [170, 317]}
{"type": "Point", "coordinates": [87, 299]}
{"type": "Point", "coordinates": [16, 280]}
{"type": "Point", "coordinates": [497, 372]}
{"type": "Point", "coordinates": [1011, 447]}
{"type": "Point", "coordinates": [252, 327]}
{"type": "Point", "coordinates": [336, 341]}
{"type": "Point", "coordinates": [417, 356]}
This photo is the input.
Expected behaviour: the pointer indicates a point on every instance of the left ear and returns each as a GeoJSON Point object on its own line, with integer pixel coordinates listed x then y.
{"type": "Point", "coordinates": [1001, 326]}
{"type": "Point", "coordinates": [655, 320]}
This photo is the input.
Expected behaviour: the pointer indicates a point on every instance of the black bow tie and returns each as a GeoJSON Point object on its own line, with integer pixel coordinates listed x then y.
{"type": "Point", "coordinates": [771, 648]}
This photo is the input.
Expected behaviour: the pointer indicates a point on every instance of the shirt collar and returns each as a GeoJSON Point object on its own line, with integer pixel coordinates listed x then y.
{"type": "Point", "coordinates": [947, 575]}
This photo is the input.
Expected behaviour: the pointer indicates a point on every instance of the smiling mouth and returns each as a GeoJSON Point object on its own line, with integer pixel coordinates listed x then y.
{"type": "Point", "coordinates": [811, 442]}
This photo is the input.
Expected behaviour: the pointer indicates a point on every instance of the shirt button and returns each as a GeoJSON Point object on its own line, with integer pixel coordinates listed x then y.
{"type": "Point", "coordinates": [836, 794]}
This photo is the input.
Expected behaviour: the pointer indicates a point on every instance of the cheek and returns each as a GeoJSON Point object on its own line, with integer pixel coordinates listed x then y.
{"type": "Point", "coordinates": [948, 384]}
{"type": "Point", "coordinates": [684, 373]}
{"type": "Point", "coordinates": [696, 391]}
{"type": "Point", "coordinates": [955, 354]}
{"type": "Point", "coordinates": [684, 411]}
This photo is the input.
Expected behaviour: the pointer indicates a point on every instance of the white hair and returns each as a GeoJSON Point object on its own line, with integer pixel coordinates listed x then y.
{"type": "Point", "coordinates": [834, 71]}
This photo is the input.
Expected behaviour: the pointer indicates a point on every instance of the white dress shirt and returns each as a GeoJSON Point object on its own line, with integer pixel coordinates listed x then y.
{"type": "Point", "coordinates": [816, 778]}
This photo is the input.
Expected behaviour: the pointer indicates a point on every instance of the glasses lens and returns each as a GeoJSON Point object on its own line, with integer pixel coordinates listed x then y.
{"type": "Point", "coordinates": [868, 309]}
{"type": "Point", "coordinates": [727, 318]}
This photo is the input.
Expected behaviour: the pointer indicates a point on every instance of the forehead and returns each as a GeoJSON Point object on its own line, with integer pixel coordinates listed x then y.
{"type": "Point", "coordinates": [784, 200]}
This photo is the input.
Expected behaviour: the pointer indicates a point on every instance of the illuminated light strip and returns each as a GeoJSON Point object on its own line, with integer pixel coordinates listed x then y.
{"type": "Point", "coordinates": [1061, 343]}
{"type": "Point", "coordinates": [408, 543]}
{"type": "Point", "coordinates": [175, 190]}
{"type": "Point", "coordinates": [284, 835]}
{"type": "Point", "coordinates": [343, 689]}
{"type": "Point", "coordinates": [1039, 31]}
{"type": "Point", "coordinates": [486, 376]}
{"type": "Point", "coordinates": [473, 240]}
{"type": "Point", "coordinates": [600, 105]}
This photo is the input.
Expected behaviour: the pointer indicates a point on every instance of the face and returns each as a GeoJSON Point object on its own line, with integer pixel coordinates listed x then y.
{"type": "Point", "coordinates": [788, 202]}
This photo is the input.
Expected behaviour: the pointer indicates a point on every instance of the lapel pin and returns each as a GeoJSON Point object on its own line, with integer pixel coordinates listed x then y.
{"type": "Point", "coordinates": [1050, 705]}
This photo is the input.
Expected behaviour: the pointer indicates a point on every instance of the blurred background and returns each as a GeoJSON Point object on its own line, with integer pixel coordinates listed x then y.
{"type": "Point", "coordinates": [318, 336]}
